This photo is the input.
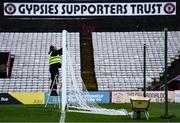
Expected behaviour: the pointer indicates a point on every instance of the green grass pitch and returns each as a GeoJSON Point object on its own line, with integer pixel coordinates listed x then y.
{"type": "Point", "coordinates": [37, 113]}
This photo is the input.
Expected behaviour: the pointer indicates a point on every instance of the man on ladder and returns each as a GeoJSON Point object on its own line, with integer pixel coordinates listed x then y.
{"type": "Point", "coordinates": [55, 63]}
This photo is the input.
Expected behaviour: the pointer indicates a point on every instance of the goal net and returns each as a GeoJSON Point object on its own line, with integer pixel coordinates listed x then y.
{"type": "Point", "coordinates": [76, 98]}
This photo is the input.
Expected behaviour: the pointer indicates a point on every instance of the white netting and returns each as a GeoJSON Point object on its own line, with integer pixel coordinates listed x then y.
{"type": "Point", "coordinates": [78, 98]}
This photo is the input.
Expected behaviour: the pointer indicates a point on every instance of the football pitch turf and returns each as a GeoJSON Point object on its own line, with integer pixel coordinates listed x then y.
{"type": "Point", "coordinates": [37, 113]}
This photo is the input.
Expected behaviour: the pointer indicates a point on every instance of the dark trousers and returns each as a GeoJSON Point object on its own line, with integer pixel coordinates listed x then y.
{"type": "Point", "coordinates": [54, 70]}
{"type": "Point", "coordinates": [53, 85]}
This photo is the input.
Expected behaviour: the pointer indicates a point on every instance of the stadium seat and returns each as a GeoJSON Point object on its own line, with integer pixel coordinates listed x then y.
{"type": "Point", "coordinates": [118, 58]}
{"type": "Point", "coordinates": [30, 70]}
{"type": "Point", "coordinates": [120, 55]}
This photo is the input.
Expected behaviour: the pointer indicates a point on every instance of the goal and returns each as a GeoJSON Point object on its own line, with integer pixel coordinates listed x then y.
{"type": "Point", "coordinates": [76, 98]}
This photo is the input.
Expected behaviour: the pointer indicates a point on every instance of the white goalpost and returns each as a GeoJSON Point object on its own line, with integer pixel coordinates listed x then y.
{"type": "Point", "coordinates": [76, 98]}
{"type": "Point", "coordinates": [64, 77]}
{"type": "Point", "coordinates": [64, 70]}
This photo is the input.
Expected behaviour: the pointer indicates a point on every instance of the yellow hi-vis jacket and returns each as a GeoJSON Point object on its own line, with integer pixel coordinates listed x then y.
{"type": "Point", "coordinates": [54, 59]}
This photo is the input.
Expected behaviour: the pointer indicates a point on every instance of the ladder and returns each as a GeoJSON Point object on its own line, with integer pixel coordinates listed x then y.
{"type": "Point", "coordinates": [58, 82]}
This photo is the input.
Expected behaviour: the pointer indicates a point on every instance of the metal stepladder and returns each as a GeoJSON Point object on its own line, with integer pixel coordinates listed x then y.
{"type": "Point", "coordinates": [58, 83]}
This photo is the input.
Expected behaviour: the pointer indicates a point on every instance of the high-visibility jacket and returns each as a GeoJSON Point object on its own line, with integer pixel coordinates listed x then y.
{"type": "Point", "coordinates": [54, 59]}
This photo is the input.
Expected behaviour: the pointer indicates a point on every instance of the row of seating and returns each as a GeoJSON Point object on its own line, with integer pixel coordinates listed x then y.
{"type": "Point", "coordinates": [30, 70]}
{"type": "Point", "coordinates": [118, 58]}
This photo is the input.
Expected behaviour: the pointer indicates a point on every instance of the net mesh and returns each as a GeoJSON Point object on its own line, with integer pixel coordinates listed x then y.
{"type": "Point", "coordinates": [78, 98]}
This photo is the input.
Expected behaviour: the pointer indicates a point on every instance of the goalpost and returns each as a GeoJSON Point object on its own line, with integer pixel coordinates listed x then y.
{"type": "Point", "coordinates": [64, 76]}
{"type": "Point", "coordinates": [76, 98]}
{"type": "Point", "coordinates": [64, 68]}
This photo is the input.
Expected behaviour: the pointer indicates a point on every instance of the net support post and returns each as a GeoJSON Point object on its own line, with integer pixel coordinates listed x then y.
{"type": "Point", "coordinates": [166, 114]}
{"type": "Point", "coordinates": [144, 70]}
{"type": "Point", "coordinates": [165, 71]}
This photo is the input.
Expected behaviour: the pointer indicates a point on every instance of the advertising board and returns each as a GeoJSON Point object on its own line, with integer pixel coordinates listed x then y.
{"type": "Point", "coordinates": [155, 96]}
{"type": "Point", "coordinates": [98, 97]}
{"type": "Point", "coordinates": [177, 96]}
{"type": "Point", "coordinates": [22, 98]}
